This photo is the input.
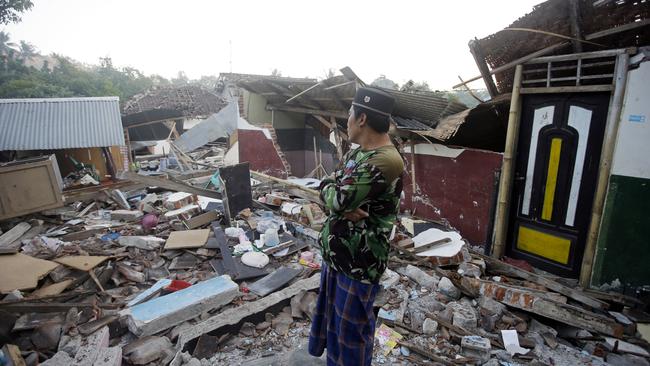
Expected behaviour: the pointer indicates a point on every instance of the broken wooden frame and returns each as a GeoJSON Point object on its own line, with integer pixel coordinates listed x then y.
{"type": "Point", "coordinates": [555, 47]}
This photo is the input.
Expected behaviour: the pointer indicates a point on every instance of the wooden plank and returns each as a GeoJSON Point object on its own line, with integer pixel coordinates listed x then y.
{"type": "Point", "coordinates": [170, 184]}
{"type": "Point", "coordinates": [14, 234]}
{"type": "Point", "coordinates": [615, 30]}
{"type": "Point", "coordinates": [326, 113]}
{"type": "Point", "coordinates": [203, 219]}
{"type": "Point", "coordinates": [568, 89]}
{"type": "Point", "coordinates": [479, 58]}
{"type": "Point", "coordinates": [498, 266]}
{"type": "Point", "coordinates": [292, 188]}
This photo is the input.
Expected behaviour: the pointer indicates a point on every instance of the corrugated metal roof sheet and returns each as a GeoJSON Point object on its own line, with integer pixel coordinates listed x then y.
{"type": "Point", "coordinates": [60, 123]}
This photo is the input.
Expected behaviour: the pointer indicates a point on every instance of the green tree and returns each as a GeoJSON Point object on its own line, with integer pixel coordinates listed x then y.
{"type": "Point", "coordinates": [10, 10]}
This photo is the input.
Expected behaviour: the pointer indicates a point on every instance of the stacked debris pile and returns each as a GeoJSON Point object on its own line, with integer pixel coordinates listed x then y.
{"type": "Point", "coordinates": [119, 278]}
{"type": "Point", "coordinates": [468, 308]}
{"type": "Point", "coordinates": [167, 272]}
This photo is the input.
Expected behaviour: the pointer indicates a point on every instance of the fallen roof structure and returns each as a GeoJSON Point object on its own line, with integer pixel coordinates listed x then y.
{"type": "Point", "coordinates": [60, 123]}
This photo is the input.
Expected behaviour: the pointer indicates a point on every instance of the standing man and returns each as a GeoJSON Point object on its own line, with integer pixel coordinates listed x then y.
{"type": "Point", "coordinates": [363, 199]}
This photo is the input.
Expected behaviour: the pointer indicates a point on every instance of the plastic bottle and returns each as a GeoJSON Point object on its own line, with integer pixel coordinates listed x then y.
{"type": "Point", "coordinates": [271, 238]}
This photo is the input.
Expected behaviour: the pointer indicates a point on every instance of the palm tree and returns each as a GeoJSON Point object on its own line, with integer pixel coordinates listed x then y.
{"type": "Point", "coordinates": [27, 50]}
{"type": "Point", "coordinates": [7, 47]}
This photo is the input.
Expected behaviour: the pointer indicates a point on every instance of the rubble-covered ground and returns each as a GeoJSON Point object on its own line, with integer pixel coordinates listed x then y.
{"type": "Point", "coordinates": [148, 276]}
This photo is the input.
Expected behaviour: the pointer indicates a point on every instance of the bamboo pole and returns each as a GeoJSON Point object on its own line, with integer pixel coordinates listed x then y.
{"type": "Point", "coordinates": [507, 168]}
{"type": "Point", "coordinates": [605, 166]}
{"type": "Point", "coordinates": [414, 184]}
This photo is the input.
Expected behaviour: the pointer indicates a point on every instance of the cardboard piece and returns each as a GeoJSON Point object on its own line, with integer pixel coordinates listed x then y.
{"type": "Point", "coordinates": [53, 289]}
{"type": "Point", "coordinates": [81, 262]}
{"type": "Point", "coordinates": [187, 239]}
{"type": "Point", "coordinates": [22, 272]}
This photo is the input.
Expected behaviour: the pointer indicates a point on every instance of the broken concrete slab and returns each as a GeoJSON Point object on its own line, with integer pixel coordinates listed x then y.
{"type": "Point", "coordinates": [166, 311]}
{"type": "Point", "coordinates": [22, 272]}
{"type": "Point", "coordinates": [274, 280]}
{"type": "Point", "coordinates": [234, 315]}
{"type": "Point", "coordinates": [90, 351]}
{"type": "Point", "coordinates": [59, 359]}
{"type": "Point", "coordinates": [445, 286]}
{"type": "Point", "coordinates": [498, 266]}
{"type": "Point", "coordinates": [422, 278]}
{"type": "Point", "coordinates": [141, 242]}
{"type": "Point", "coordinates": [524, 299]}
{"type": "Point", "coordinates": [126, 215]}
{"type": "Point", "coordinates": [151, 291]}
{"type": "Point", "coordinates": [111, 356]}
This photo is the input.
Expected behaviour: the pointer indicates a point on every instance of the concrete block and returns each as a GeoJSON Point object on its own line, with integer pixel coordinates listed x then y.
{"type": "Point", "coordinates": [475, 346]}
{"type": "Point", "coordinates": [95, 344]}
{"type": "Point", "coordinates": [126, 215]}
{"type": "Point", "coordinates": [146, 350]}
{"type": "Point", "coordinates": [422, 278]}
{"type": "Point", "coordinates": [469, 270]}
{"type": "Point", "coordinates": [389, 279]}
{"type": "Point", "coordinates": [429, 326]}
{"type": "Point", "coordinates": [142, 242]}
{"type": "Point", "coordinates": [167, 311]}
{"type": "Point", "coordinates": [445, 286]}
{"type": "Point", "coordinates": [111, 356]}
{"type": "Point", "coordinates": [464, 316]}
{"type": "Point", "coordinates": [491, 306]}
{"type": "Point", "coordinates": [59, 359]}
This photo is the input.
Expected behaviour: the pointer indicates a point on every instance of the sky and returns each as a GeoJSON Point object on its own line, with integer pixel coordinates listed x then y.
{"type": "Point", "coordinates": [418, 40]}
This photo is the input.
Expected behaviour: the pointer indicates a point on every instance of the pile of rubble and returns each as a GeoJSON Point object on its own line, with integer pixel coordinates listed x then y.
{"type": "Point", "coordinates": [166, 273]}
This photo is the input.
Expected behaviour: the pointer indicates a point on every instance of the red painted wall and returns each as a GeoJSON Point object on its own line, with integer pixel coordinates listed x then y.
{"type": "Point", "coordinates": [260, 153]}
{"type": "Point", "coordinates": [460, 190]}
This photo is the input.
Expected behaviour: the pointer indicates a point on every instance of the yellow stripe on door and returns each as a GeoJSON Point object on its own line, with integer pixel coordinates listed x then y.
{"type": "Point", "coordinates": [545, 245]}
{"type": "Point", "coordinates": [551, 178]}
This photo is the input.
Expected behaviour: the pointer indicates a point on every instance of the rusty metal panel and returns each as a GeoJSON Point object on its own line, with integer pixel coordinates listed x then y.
{"type": "Point", "coordinates": [28, 186]}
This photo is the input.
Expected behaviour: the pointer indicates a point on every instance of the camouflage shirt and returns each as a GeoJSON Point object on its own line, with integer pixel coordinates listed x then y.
{"type": "Point", "coordinates": [370, 180]}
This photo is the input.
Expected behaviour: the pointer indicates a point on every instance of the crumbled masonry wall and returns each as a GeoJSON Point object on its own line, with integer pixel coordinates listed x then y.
{"type": "Point", "coordinates": [260, 153]}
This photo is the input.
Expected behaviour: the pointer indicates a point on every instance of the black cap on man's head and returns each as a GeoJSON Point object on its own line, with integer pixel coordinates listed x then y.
{"type": "Point", "coordinates": [374, 100]}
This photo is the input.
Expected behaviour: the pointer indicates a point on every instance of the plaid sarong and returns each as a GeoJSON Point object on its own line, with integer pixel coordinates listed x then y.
{"type": "Point", "coordinates": [343, 322]}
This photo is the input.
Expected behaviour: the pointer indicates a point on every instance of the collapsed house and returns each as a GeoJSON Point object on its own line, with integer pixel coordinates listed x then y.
{"type": "Point", "coordinates": [209, 253]}
{"type": "Point", "coordinates": [57, 144]}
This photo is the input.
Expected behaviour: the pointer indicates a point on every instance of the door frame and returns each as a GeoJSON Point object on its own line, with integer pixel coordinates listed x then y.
{"type": "Point", "coordinates": [617, 89]}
